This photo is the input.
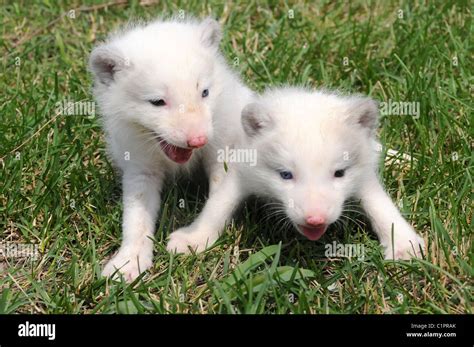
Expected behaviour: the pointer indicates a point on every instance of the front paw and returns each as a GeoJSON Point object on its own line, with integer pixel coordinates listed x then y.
{"type": "Point", "coordinates": [129, 265]}
{"type": "Point", "coordinates": [187, 240]}
{"type": "Point", "coordinates": [406, 246]}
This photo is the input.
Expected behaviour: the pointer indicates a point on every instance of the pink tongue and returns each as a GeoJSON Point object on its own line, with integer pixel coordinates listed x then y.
{"type": "Point", "coordinates": [314, 233]}
{"type": "Point", "coordinates": [176, 154]}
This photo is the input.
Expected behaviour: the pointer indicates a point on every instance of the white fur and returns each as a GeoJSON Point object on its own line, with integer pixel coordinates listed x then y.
{"type": "Point", "coordinates": [312, 134]}
{"type": "Point", "coordinates": [174, 61]}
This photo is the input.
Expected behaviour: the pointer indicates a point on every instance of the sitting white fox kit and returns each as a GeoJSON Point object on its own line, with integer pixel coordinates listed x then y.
{"type": "Point", "coordinates": [164, 91]}
{"type": "Point", "coordinates": [315, 151]}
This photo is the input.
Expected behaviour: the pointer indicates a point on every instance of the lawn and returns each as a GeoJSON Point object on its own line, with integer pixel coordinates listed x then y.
{"type": "Point", "coordinates": [60, 192]}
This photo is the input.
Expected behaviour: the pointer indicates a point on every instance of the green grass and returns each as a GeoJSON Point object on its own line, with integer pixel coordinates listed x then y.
{"type": "Point", "coordinates": [59, 190]}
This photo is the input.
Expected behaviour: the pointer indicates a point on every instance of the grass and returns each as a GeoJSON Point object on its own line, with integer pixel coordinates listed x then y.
{"type": "Point", "coordinates": [58, 190]}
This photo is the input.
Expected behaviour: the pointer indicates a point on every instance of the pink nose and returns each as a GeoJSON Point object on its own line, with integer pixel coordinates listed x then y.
{"type": "Point", "coordinates": [315, 220]}
{"type": "Point", "coordinates": [197, 141]}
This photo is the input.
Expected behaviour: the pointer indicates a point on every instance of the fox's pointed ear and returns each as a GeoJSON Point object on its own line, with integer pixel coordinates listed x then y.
{"type": "Point", "coordinates": [105, 62]}
{"type": "Point", "coordinates": [364, 112]}
{"type": "Point", "coordinates": [211, 33]}
{"type": "Point", "coordinates": [256, 119]}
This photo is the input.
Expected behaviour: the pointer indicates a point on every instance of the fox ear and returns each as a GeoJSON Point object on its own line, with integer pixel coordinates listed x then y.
{"type": "Point", "coordinates": [364, 112]}
{"type": "Point", "coordinates": [105, 62]}
{"type": "Point", "coordinates": [211, 33]}
{"type": "Point", "coordinates": [256, 119]}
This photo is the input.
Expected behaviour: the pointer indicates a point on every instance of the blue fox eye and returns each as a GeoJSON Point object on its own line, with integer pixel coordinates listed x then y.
{"type": "Point", "coordinates": [339, 173]}
{"type": "Point", "coordinates": [158, 102]}
{"type": "Point", "coordinates": [205, 93]}
{"type": "Point", "coordinates": [286, 175]}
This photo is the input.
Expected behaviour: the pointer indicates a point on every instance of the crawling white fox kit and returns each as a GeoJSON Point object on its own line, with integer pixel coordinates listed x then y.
{"type": "Point", "coordinates": [167, 100]}
{"type": "Point", "coordinates": [315, 151]}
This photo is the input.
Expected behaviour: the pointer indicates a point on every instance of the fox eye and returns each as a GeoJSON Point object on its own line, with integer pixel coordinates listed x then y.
{"type": "Point", "coordinates": [286, 175]}
{"type": "Point", "coordinates": [339, 173]}
{"type": "Point", "coordinates": [158, 102]}
{"type": "Point", "coordinates": [205, 93]}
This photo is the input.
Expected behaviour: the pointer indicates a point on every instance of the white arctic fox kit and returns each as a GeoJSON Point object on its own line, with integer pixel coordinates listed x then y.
{"type": "Point", "coordinates": [167, 99]}
{"type": "Point", "coordinates": [315, 151]}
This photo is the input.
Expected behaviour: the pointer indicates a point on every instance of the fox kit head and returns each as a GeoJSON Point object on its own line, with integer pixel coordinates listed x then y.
{"type": "Point", "coordinates": [162, 77]}
{"type": "Point", "coordinates": [313, 150]}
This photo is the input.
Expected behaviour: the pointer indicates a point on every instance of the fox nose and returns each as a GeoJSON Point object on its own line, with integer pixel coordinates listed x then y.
{"type": "Point", "coordinates": [315, 220]}
{"type": "Point", "coordinates": [197, 141]}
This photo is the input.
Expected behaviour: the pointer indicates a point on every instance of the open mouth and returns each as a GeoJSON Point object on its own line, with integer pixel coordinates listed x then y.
{"type": "Point", "coordinates": [313, 233]}
{"type": "Point", "coordinates": [177, 154]}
